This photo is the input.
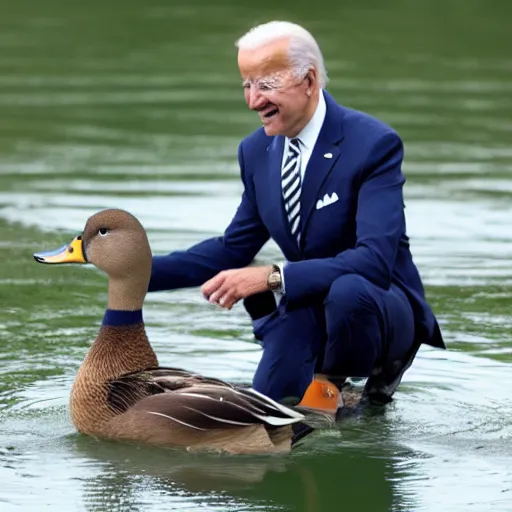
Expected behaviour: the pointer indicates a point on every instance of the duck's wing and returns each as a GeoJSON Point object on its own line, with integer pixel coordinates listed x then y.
{"type": "Point", "coordinates": [128, 389]}
{"type": "Point", "coordinates": [210, 407]}
{"type": "Point", "coordinates": [204, 403]}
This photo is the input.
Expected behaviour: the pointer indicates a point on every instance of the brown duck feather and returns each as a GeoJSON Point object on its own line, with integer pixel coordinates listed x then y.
{"type": "Point", "coordinates": [197, 401]}
{"type": "Point", "coordinates": [127, 389]}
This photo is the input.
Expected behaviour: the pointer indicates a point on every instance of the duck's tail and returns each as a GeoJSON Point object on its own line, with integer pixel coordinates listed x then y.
{"type": "Point", "coordinates": [316, 410]}
{"type": "Point", "coordinates": [313, 420]}
{"type": "Point", "coordinates": [300, 431]}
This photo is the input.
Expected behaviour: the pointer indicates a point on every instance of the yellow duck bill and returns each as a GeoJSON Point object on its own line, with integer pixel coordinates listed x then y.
{"type": "Point", "coordinates": [72, 253]}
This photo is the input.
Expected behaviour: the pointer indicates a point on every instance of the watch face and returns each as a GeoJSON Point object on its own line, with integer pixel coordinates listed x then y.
{"type": "Point", "coordinates": [274, 280]}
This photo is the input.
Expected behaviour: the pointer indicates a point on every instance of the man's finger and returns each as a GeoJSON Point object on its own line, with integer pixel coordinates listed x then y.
{"type": "Point", "coordinates": [216, 297]}
{"type": "Point", "coordinates": [228, 301]}
{"type": "Point", "coordinates": [212, 285]}
{"type": "Point", "coordinates": [221, 292]}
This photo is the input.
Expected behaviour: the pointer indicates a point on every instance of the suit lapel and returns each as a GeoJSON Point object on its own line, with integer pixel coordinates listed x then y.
{"type": "Point", "coordinates": [323, 158]}
{"type": "Point", "coordinates": [275, 159]}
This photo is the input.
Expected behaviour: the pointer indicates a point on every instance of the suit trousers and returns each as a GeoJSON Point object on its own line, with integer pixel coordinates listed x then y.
{"type": "Point", "coordinates": [356, 326]}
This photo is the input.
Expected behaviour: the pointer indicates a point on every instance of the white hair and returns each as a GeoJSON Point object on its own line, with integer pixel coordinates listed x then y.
{"type": "Point", "coordinates": [304, 52]}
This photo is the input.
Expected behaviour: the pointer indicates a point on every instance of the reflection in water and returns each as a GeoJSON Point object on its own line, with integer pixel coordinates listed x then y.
{"type": "Point", "coordinates": [308, 482]}
{"type": "Point", "coordinates": [129, 473]}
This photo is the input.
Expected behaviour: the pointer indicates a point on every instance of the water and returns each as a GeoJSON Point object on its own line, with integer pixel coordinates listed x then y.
{"type": "Point", "coordinates": [140, 107]}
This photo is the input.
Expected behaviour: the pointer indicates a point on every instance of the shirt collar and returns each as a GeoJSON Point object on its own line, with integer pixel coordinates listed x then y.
{"type": "Point", "coordinates": [309, 133]}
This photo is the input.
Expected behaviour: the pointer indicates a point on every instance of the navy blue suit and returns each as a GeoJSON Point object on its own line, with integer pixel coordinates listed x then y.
{"type": "Point", "coordinates": [354, 302]}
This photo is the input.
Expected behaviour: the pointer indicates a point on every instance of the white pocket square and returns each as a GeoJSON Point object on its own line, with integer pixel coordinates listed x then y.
{"type": "Point", "coordinates": [327, 200]}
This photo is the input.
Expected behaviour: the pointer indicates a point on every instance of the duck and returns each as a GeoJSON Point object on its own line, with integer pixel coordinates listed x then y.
{"type": "Point", "coordinates": [120, 391]}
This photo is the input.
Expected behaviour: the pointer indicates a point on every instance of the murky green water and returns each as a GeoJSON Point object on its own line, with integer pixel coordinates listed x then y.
{"type": "Point", "coordinates": [138, 105]}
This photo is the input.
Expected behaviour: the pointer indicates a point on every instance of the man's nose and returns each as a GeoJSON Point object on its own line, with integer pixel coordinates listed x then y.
{"type": "Point", "coordinates": [256, 99]}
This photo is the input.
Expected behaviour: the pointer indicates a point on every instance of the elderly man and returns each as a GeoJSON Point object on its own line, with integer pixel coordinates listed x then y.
{"type": "Point", "coordinates": [325, 183]}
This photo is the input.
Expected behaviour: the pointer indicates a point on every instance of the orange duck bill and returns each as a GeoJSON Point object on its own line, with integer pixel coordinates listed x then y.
{"type": "Point", "coordinates": [72, 253]}
{"type": "Point", "coordinates": [322, 395]}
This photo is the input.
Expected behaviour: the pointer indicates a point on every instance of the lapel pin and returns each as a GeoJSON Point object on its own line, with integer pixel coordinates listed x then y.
{"type": "Point", "coordinates": [328, 155]}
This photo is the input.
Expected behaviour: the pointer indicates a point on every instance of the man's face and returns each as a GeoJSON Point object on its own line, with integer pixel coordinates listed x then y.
{"type": "Point", "coordinates": [282, 100]}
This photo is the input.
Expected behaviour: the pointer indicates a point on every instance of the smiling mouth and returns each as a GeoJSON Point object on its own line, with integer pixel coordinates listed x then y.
{"type": "Point", "coordinates": [267, 114]}
{"type": "Point", "coordinates": [271, 113]}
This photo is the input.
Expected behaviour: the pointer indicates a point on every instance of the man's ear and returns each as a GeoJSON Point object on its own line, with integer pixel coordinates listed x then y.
{"type": "Point", "coordinates": [311, 81]}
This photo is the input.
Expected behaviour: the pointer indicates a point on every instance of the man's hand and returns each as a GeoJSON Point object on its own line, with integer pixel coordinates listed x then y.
{"type": "Point", "coordinates": [229, 286]}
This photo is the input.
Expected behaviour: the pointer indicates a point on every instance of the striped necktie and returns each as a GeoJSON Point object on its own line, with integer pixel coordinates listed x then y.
{"type": "Point", "coordinates": [290, 182]}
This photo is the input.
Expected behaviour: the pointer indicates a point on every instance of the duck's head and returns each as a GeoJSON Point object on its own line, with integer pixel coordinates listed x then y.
{"type": "Point", "coordinates": [113, 240]}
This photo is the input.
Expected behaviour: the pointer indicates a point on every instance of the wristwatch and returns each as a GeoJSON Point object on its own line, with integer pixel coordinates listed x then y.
{"type": "Point", "coordinates": [274, 280]}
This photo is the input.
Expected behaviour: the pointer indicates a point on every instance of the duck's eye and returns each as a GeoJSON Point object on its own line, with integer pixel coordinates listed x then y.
{"type": "Point", "coordinates": [103, 231]}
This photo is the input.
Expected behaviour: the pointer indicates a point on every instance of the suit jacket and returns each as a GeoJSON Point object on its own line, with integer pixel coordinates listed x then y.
{"type": "Point", "coordinates": [358, 158]}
